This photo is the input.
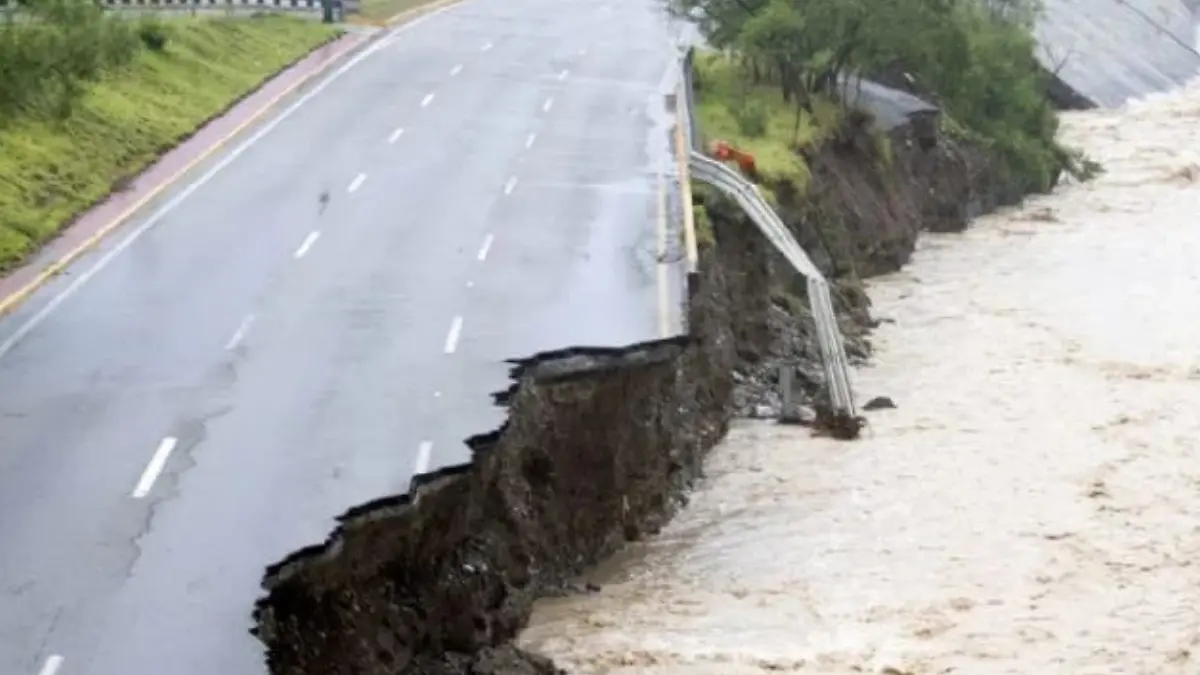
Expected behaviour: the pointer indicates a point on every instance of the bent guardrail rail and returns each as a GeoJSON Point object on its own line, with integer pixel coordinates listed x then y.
{"type": "Point", "coordinates": [829, 336]}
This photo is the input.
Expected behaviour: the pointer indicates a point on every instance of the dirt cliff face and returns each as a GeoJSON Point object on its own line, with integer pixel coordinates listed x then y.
{"type": "Point", "coordinates": [859, 216]}
{"type": "Point", "coordinates": [865, 206]}
{"type": "Point", "coordinates": [598, 449]}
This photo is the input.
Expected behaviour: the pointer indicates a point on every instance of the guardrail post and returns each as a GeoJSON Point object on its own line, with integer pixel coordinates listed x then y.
{"type": "Point", "coordinates": [787, 396]}
{"type": "Point", "coordinates": [829, 336]}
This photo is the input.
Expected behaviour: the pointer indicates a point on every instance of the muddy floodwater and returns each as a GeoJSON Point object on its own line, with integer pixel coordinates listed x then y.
{"type": "Point", "coordinates": [1033, 504]}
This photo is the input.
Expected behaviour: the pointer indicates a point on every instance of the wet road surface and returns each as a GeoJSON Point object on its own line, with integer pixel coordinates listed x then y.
{"type": "Point", "coordinates": [314, 317]}
{"type": "Point", "coordinates": [1029, 507]}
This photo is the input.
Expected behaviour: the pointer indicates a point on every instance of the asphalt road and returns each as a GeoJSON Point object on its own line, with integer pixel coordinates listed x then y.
{"type": "Point", "coordinates": [321, 316]}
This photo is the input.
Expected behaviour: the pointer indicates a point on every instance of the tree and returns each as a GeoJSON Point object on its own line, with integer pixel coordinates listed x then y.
{"type": "Point", "coordinates": [719, 21]}
{"type": "Point", "coordinates": [974, 58]}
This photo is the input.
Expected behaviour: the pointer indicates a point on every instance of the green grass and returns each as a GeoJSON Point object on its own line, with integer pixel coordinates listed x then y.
{"type": "Point", "coordinates": [381, 10]}
{"type": "Point", "coordinates": [52, 170]}
{"type": "Point", "coordinates": [756, 119]}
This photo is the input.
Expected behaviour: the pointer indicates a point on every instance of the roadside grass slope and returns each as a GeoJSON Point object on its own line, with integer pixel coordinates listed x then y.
{"type": "Point", "coordinates": [379, 11]}
{"type": "Point", "coordinates": [53, 169]}
{"type": "Point", "coordinates": [755, 118]}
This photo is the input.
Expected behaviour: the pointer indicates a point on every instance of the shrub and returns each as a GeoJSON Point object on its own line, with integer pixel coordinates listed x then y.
{"type": "Point", "coordinates": [752, 118]}
{"type": "Point", "coordinates": [975, 58]}
{"type": "Point", "coordinates": [153, 34]}
{"type": "Point", "coordinates": [46, 62]}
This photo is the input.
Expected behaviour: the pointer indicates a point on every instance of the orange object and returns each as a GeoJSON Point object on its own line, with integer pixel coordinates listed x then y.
{"type": "Point", "coordinates": [745, 161]}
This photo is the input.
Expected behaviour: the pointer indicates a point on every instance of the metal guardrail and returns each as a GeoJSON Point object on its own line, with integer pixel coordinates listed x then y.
{"type": "Point", "coordinates": [728, 181]}
{"type": "Point", "coordinates": [829, 336]}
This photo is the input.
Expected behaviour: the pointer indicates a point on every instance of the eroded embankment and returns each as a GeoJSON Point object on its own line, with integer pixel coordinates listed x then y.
{"type": "Point", "coordinates": [859, 216]}
{"type": "Point", "coordinates": [601, 445]}
{"type": "Point", "coordinates": [598, 446]}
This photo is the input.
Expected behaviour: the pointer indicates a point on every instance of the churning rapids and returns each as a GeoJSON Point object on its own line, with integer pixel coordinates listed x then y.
{"type": "Point", "coordinates": [1032, 506]}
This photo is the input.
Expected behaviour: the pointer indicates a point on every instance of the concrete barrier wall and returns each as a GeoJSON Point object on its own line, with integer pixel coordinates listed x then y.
{"type": "Point", "coordinates": [1109, 51]}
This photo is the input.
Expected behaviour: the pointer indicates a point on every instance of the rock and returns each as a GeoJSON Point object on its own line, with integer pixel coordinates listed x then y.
{"type": "Point", "coordinates": [508, 660]}
{"type": "Point", "coordinates": [879, 403]}
{"type": "Point", "coordinates": [811, 374]}
{"type": "Point", "coordinates": [857, 348]}
{"type": "Point", "coordinates": [772, 400]}
{"type": "Point", "coordinates": [802, 415]}
{"type": "Point", "coordinates": [748, 355]}
{"type": "Point", "coordinates": [763, 412]}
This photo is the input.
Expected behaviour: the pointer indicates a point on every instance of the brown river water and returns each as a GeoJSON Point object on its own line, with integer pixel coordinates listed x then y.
{"type": "Point", "coordinates": [1033, 504]}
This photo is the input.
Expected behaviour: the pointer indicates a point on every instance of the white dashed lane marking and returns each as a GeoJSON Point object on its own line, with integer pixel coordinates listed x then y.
{"type": "Point", "coordinates": [423, 453]}
{"type": "Point", "coordinates": [240, 333]}
{"type": "Point", "coordinates": [155, 467]}
{"type": "Point", "coordinates": [307, 244]}
{"type": "Point", "coordinates": [453, 335]}
{"type": "Point", "coordinates": [487, 246]}
{"type": "Point", "coordinates": [53, 663]}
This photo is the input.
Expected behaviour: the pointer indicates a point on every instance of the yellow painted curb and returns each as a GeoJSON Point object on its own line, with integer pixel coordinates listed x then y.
{"type": "Point", "coordinates": [17, 297]}
{"type": "Point", "coordinates": [685, 186]}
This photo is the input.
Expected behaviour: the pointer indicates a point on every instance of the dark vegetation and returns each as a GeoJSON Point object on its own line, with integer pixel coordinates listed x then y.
{"type": "Point", "coordinates": [973, 58]}
{"type": "Point", "coordinates": [58, 47]}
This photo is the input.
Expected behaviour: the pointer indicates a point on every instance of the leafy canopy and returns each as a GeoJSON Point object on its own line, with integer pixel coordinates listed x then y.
{"type": "Point", "coordinates": [975, 58]}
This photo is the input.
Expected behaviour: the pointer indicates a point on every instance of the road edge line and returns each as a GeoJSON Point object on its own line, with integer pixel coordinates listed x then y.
{"type": "Point", "coordinates": [662, 279]}
{"type": "Point", "coordinates": [682, 149]}
{"type": "Point", "coordinates": [17, 297]}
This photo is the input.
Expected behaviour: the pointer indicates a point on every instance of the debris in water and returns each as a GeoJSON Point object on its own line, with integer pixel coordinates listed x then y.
{"type": "Point", "coordinates": [836, 423]}
{"type": "Point", "coordinates": [879, 403]}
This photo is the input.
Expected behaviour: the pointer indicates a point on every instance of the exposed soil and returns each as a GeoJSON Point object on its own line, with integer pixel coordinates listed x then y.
{"type": "Point", "coordinates": [860, 217]}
